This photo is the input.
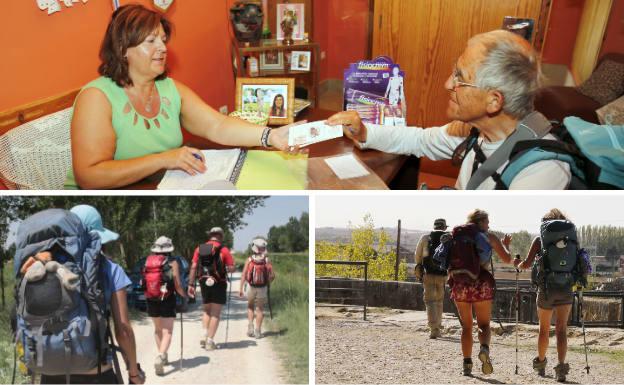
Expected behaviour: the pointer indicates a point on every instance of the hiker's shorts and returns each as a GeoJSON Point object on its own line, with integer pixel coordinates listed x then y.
{"type": "Point", "coordinates": [216, 293]}
{"type": "Point", "coordinates": [466, 290]}
{"type": "Point", "coordinates": [164, 309]}
{"type": "Point", "coordinates": [257, 295]}
{"type": "Point", "coordinates": [554, 298]}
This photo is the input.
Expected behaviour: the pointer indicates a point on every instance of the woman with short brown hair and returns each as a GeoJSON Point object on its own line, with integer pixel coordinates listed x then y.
{"type": "Point", "coordinates": [127, 124]}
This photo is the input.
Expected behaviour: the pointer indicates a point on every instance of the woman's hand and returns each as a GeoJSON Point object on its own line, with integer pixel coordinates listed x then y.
{"type": "Point", "coordinates": [240, 293]}
{"type": "Point", "coordinates": [278, 138]}
{"type": "Point", "coordinates": [351, 125]}
{"type": "Point", "coordinates": [506, 240]}
{"type": "Point", "coordinates": [187, 159]}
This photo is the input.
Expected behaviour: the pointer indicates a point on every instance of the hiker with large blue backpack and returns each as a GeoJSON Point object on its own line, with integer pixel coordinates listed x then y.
{"type": "Point", "coordinates": [66, 288]}
{"type": "Point", "coordinates": [161, 280]}
{"type": "Point", "coordinates": [467, 255]}
{"type": "Point", "coordinates": [211, 264]}
{"type": "Point", "coordinates": [432, 276]}
{"type": "Point", "coordinates": [558, 265]}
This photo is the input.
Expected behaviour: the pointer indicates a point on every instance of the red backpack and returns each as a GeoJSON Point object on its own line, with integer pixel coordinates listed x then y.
{"type": "Point", "coordinates": [463, 256]}
{"type": "Point", "coordinates": [157, 277]}
{"type": "Point", "coordinates": [258, 272]}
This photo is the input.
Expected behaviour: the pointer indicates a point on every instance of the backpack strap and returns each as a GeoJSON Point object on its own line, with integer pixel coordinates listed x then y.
{"type": "Point", "coordinates": [533, 126]}
{"type": "Point", "coordinates": [527, 152]}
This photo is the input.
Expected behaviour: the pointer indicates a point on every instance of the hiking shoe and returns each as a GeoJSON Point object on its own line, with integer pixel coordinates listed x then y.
{"type": "Point", "coordinates": [435, 333]}
{"type": "Point", "coordinates": [484, 357]}
{"type": "Point", "coordinates": [540, 366]}
{"type": "Point", "coordinates": [210, 344]}
{"type": "Point", "coordinates": [560, 372]}
{"type": "Point", "coordinates": [468, 368]}
{"type": "Point", "coordinates": [158, 365]}
{"type": "Point", "coordinates": [257, 334]}
{"type": "Point", "coordinates": [250, 330]}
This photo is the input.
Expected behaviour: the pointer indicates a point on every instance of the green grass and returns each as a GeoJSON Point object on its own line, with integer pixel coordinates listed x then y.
{"type": "Point", "coordinates": [6, 337]}
{"type": "Point", "coordinates": [615, 355]}
{"type": "Point", "coordinates": [289, 300]}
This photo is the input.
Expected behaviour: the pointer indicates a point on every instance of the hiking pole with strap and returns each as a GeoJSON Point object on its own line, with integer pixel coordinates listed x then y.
{"type": "Point", "coordinates": [517, 308]}
{"type": "Point", "coordinates": [583, 327]}
{"type": "Point", "coordinates": [494, 278]}
{"type": "Point", "coordinates": [227, 322]}
{"type": "Point", "coordinates": [182, 333]}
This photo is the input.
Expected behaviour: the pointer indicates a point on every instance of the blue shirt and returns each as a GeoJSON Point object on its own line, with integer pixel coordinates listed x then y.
{"type": "Point", "coordinates": [115, 280]}
{"type": "Point", "coordinates": [483, 247]}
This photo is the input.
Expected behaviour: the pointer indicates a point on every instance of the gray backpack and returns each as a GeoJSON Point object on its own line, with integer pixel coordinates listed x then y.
{"type": "Point", "coordinates": [61, 311]}
{"type": "Point", "coordinates": [558, 267]}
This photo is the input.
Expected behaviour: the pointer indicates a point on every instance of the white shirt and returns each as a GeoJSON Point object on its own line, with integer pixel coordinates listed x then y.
{"type": "Point", "coordinates": [436, 144]}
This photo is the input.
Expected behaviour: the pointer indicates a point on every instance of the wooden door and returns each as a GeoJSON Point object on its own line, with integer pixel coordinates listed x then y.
{"type": "Point", "coordinates": [425, 37]}
{"type": "Point", "coordinates": [589, 39]}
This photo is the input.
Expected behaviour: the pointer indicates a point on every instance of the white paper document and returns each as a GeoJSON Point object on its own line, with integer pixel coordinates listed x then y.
{"type": "Point", "coordinates": [346, 166]}
{"type": "Point", "coordinates": [309, 133]}
{"type": "Point", "coordinates": [220, 165]}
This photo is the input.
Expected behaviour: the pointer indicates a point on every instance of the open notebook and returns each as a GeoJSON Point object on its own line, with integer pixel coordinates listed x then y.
{"type": "Point", "coordinates": [242, 169]}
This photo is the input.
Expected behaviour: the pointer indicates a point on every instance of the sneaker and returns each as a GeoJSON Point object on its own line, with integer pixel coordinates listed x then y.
{"type": "Point", "coordinates": [435, 333]}
{"type": "Point", "coordinates": [467, 368]}
{"type": "Point", "coordinates": [210, 344]}
{"type": "Point", "coordinates": [561, 371]}
{"type": "Point", "coordinates": [540, 366]}
{"type": "Point", "coordinates": [250, 330]}
{"type": "Point", "coordinates": [158, 365]}
{"type": "Point", "coordinates": [257, 333]}
{"type": "Point", "coordinates": [202, 342]}
{"type": "Point", "coordinates": [165, 359]}
{"type": "Point", "coordinates": [484, 357]}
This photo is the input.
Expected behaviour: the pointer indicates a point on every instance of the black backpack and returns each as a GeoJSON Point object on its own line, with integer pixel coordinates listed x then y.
{"type": "Point", "coordinates": [211, 263]}
{"type": "Point", "coordinates": [431, 267]}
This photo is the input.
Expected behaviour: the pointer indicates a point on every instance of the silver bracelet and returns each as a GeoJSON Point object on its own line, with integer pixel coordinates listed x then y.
{"type": "Point", "coordinates": [264, 139]}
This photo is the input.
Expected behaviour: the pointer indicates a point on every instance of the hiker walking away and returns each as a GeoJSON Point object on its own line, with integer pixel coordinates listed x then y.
{"type": "Point", "coordinates": [66, 289]}
{"type": "Point", "coordinates": [211, 263]}
{"type": "Point", "coordinates": [432, 276]}
{"type": "Point", "coordinates": [472, 284]}
{"type": "Point", "coordinates": [161, 280]}
{"type": "Point", "coordinates": [559, 266]}
{"type": "Point", "coordinates": [258, 274]}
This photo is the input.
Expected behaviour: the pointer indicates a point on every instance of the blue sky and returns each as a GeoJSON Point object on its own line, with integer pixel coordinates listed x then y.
{"type": "Point", "coordinates": [276, 211]}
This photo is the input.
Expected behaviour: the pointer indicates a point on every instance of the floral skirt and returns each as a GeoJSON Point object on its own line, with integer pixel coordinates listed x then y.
{"type": "Point", "coordinates": [464, 289]}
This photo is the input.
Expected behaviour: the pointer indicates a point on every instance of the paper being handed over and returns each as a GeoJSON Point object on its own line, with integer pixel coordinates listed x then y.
{"type": "Point", "coordinates": [305, 134]}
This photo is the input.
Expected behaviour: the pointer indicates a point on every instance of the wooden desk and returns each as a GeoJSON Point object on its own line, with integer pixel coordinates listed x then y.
{"type": "Point", "coordinates": [383, 166]}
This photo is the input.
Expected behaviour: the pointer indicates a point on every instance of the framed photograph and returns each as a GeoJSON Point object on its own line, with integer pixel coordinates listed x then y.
{"type": "Point", "coordinates": [272, 60]}
{"type": "Point", "coordinates": [272, 96]}
{"type": "Point", "coordinates": [296, 12]}
{"type": "Point", "coordinates": [300, 60]}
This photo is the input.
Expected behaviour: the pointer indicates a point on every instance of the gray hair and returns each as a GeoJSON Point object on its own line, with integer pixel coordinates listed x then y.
{"type": "Point", "coordinates": [512, 67]}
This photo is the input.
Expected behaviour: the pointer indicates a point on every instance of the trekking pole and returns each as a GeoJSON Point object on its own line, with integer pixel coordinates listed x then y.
{"type": "Point", "coordinates": [269, 300]}
{"type": "Point", "coordinates": [227, 322]}
{"type": "Point", "coordinates": [182, 334]}
{"type": "Point", "coordinates": [583, 326]}
{"type": "Point", "coordinates": [517, 308]}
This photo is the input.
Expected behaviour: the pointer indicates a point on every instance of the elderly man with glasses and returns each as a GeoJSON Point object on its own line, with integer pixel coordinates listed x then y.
{"type": "Point", "coordinates": [492, 88]}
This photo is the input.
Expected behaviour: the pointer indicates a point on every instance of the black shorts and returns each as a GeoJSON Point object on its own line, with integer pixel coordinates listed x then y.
{"type": "Point", "coordinates": [217, 293]}
{"type": "Point", "coordinates": [165, 309]}
{"type": "Point", "coordinates": [107, 377]}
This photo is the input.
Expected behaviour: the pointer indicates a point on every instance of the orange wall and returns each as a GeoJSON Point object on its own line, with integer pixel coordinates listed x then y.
{"type": "Point", "coordinates": [48, 55]}
{"type": "Point", "coordinates": [341, 28]}
{"type": "Point", "coordinates": [614, 35]}
{"type": "Point", "coordinates": [565, 17]}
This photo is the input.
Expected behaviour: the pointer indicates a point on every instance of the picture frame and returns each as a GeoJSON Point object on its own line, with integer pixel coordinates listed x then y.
{"type": "Point", "coordinates": [269, 89]}
{"type": "Point", "coordinates": [300, 60]}
{"type": "Point", "coordinates": [272, 60]}
{"type": "Point", "coordinates": [298, 10]}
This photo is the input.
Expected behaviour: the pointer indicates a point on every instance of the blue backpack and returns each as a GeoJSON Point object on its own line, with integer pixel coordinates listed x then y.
{"type": "Point", "coordinates": [61, 324]}
{"type": "Point", "coordinates": [594, 152]}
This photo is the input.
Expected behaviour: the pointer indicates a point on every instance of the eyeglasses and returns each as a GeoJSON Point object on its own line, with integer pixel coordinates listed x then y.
{"type": "Point", "coordinates": [457, 83]}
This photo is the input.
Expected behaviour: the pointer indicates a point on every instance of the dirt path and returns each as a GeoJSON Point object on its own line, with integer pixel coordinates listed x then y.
{"type": "Point", "coordinates": [393, 347]}
{"type": "Point", "coordinates": [242, 360]}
